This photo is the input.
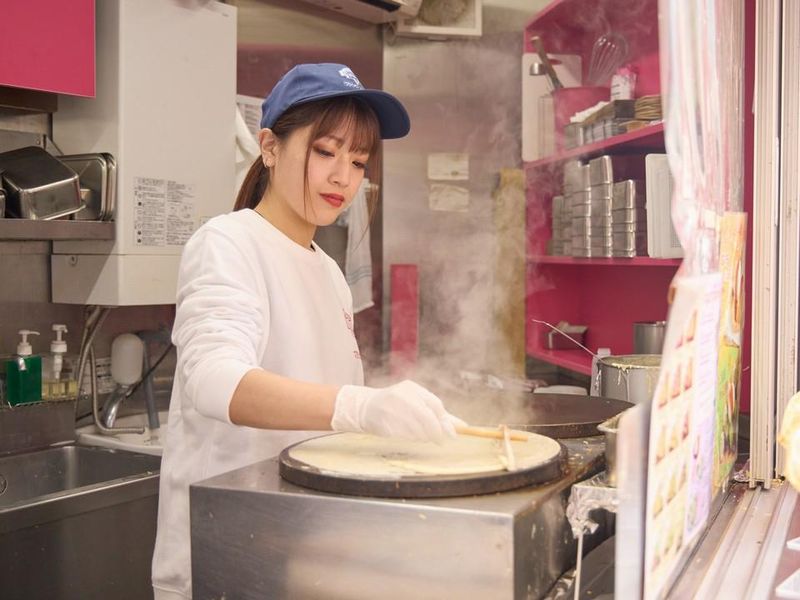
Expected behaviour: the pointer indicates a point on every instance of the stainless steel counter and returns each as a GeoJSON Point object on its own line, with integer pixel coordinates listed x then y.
{"type": "Point", "coordinates": [255, 535]}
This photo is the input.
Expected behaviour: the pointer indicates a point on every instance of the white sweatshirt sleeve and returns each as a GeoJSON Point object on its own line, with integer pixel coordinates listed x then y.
{"type": "Point", "coordinates": [221, 318]}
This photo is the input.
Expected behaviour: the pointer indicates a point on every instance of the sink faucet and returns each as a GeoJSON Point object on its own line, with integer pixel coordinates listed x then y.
{"type": "Point", "coordinates": [111, 406]}
{"type": "Point", "coordinates": [125, 381]}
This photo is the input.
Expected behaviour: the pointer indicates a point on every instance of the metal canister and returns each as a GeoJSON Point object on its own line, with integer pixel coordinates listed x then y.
{"type": "Point", "coordinates": [648, 337]}
{"type": "Point", "coordinates": [630, 377]}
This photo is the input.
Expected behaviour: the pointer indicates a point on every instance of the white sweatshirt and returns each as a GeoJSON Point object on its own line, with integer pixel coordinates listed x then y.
{"type": "Point", "coordinates": [248, 297]}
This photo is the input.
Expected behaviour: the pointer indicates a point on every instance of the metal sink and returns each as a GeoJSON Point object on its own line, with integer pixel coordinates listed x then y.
{"type": "Point", "coordinates": [79, 521]}
{"type": "Point", "coordinates": [47, 475]}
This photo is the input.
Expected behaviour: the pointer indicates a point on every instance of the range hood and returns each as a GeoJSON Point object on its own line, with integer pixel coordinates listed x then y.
{"type": "Point", "coordinates": [374, 11]}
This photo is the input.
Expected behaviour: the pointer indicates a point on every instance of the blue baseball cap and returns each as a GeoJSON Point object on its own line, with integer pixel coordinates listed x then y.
{"type": "Point", "coordinates": [309, 82]}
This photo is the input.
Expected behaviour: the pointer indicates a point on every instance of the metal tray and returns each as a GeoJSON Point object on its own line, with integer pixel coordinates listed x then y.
{"type": "Point", "coordinates": [601, 232]}
{"type": "Point", "coordinates": [628, 253]}
{"type": "Point", "coordinates": [601, 190]}
{"type": "Point", "coordinates": [629, 194]}
{"type": "Point", "coordinates": [111, 191]}
{"type": "Point", "coordinates": [601, 244]}
{"type": "Point", "coordinates": [629, 215]}
{"type": "Point", "coordinates": [575, 176]}
{"type": "Point", "coordinates": [629, 228]}
{"type": "Point", "coordinates": [92, 170]}
{"type": "Point", "coordinates": [38, 185]}
{"type": "Point", "coordinates": [629, 241]}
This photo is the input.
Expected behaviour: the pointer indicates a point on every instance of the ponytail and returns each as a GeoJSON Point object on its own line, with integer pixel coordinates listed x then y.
{"type": "Point", "coordinates": [253, 186]}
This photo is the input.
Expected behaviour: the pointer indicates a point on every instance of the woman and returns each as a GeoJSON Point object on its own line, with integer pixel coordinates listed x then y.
{"type": "Point", "coordinates": [264, 321]}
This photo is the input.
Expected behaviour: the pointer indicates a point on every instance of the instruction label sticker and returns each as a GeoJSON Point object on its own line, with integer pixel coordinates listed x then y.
{"type": "Point", "coordinates": [164, 212]}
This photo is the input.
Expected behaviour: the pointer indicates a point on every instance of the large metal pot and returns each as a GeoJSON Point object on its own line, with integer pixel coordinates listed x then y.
{"type": "Point", "coordinates": [629, 377]}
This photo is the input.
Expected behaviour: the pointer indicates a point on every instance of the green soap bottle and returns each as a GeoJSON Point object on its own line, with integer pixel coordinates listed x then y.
{"type": "Point", "coordinates": [23, 373]}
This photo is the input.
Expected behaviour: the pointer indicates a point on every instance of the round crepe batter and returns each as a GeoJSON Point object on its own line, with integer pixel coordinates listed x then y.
{"type": "Point", "coordinates": [365, 455]}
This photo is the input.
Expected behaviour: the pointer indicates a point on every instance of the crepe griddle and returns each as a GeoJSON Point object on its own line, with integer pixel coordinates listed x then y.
{"type": "Point", "coordinates": [418, 486]}
{"type": "Point", "coordinates": [553, 415]}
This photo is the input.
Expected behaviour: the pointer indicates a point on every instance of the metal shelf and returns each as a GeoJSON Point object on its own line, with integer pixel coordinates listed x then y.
{"type": "Point", "coordinates": [648, 137]}
{"type": "Point", "coordinates": [636, 261]}
{"type": "Point", "coordinates": [25, 229]}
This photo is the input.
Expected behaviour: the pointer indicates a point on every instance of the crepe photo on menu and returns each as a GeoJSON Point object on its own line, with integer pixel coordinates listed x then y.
{"type": "Point", "coordinates": [681, 430]}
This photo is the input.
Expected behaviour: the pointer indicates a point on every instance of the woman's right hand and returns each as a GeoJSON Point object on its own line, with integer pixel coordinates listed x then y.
{"type": "Point", "coordinates": [404, 410]}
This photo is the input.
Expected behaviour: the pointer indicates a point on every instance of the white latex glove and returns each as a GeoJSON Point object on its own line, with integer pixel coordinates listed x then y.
{"type": "Point", "coordinates": [404, 410]}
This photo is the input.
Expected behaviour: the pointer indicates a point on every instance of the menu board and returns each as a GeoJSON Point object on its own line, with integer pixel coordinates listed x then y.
{"type": "Point", "coordinates": [682, 425]}
{"type": "Point", "coordinates": [731, 265]}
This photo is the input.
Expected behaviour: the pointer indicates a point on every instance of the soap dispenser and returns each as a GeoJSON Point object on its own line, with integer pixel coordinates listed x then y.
{"type": "Point", "coordinates": [23, 373]}
{"type": "Point", "coordinates": [57, 382]}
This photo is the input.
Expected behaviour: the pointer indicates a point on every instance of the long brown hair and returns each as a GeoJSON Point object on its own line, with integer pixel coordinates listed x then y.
{"type": "Point", "coordinates": [325, 117]}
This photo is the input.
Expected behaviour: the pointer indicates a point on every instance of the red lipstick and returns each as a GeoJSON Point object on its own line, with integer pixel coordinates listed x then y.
{"type": "Point", "coordinates": [334, 200]}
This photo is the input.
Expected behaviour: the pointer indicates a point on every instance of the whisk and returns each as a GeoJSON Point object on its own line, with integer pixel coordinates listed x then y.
{"type": "Point", "coordinates": [608, 53]}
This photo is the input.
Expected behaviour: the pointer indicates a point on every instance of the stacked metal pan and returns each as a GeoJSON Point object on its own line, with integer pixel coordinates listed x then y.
{"type": "Point", "coordinates": [576, 204]}
{"type": "Point", "coordinates": [611, 220]}
{"type": "Point", "coordinates": [602, 212]}
{"type": "Point", "coordinates": [600, 219]}
{"type": "Point", "coordinates": [561, 226]}
{"type": "Point", "coordinates": [628, 219]}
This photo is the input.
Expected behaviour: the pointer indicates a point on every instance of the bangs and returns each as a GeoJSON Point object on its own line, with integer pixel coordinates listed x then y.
{"type": "Point", "coordinates": [351, 118]}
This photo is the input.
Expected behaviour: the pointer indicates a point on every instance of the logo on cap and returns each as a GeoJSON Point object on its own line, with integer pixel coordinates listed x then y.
{"type": "Point", "coordinates": [350, 78]}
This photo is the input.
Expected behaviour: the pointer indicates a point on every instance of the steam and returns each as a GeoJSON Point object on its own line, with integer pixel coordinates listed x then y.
{"type": "Point", "coordinates": [464, 96]}
{"type": "Point", "coordinates": [472, 308]}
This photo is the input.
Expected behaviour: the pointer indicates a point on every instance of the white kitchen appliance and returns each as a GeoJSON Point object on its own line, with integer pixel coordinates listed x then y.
{"type": "Point", "coordinates": [165, 109]}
